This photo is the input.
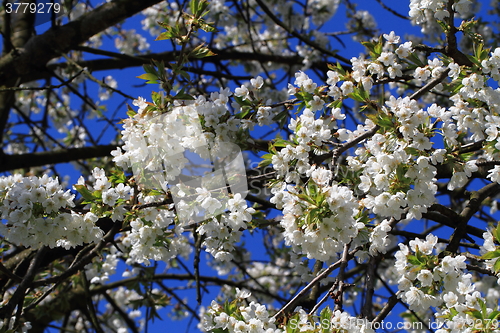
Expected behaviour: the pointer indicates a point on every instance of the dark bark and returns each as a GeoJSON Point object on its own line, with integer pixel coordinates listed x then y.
{"type": "Point", "coordinates": [12, 162]}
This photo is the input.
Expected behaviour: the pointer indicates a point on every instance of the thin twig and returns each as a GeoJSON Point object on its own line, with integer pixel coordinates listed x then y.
{"type": "Point", "coordinates": [298, 35]}
{"type": "Point", "coordinates": [91, 77]}
{"type": "Point", "coordinates": [81, 261]}
{"type": "Point", "coordinates": [391, 303]}
{"type": "Point", "coordinates": [197, 249]}
{"type": "Point", "coordinates": [9, 273]}
{"type": "Point", "coordinates": [431, 84]}
{"type": "Point", "coordinates": [340, 278]}
{"type": "Point", "coordinates": [285, 309]}
{"type": "Point", "coordinates": [392, 11]}
{"type": "Point", "coordinates": [64, 83]}
{"type": "Point", "coordinates": [366, 312]}
{"type": "Point", "coordinates": [323, 300]}
{"type": "Point", "coordinates": [174, 295]}
{"type": "Point", "coordinates": [18, 296]}
{"type": "Point", "coordinates": [90, 305]}
{"type": "Point", "coordinates": [470, 209]}
{"type": "Point", "coordinates": [130, 323]}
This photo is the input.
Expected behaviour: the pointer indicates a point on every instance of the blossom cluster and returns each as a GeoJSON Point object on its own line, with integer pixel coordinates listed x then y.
{"type": "Point", "coordinates": [427, 280]}
{"type": "Point", "coordinates": [100, 272]}
{"type": "Point", "coordinates": [154, 236]}
{"type": "Point", "coordinates": [224, 231]}
{"type": "Point", "coordinates": [38, 213]}
{"type": "Point", "coordinates": [252, 318]}
{"type": "Point", "coordinates": [110, 195]}
{"type": "Point", "coordinates": [156, 148]}
{"type": "Point", "coordinates": [418, 9]}
{"type": "Point", "coordinates": [427, 13]}
{"type": "Point", "coordinates": [318, 229]}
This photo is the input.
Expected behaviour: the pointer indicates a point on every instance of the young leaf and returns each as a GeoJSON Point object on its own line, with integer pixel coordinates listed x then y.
{"type": "Point", "coordinates": [491, 254]}
{"type": "Point", "coordinates": [496, 266]}
{"type": "Point", "coordinates": [150, 69]}
{"type": "Point", "coordinates": [497, 233]}
{"type": "Point", "coordinates": [201, 52]}
{"type": "Point", "coordinates": [207, 27]}
{"type": "Point", "coordinates": [165, 35]}
{"type": "Point", "coordinates": [183, 96]}
{"type": "Point", "coordinates": [86, 194]}
{"type": "Point", "coordinates": [151, 78]}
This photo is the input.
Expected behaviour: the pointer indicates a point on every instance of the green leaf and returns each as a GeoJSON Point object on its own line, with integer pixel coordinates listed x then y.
{"type": "Point", "coordinates": [369, 45]}
{"type": "Point", "coordinates": [475, 60]}
{"type": "Point", "coordinates": [198, 8]}
{"type": "Point", "coordinates": [193, 5]}
{"type": "Point", "coordinates": [219, 330]}
{"type": "Point", "coordinates": [292, 324]}
{"type": "Point", "coordinates": [202, 6]}
{"type": "Point", "coordinates": [165, 35]}
{"type": "Point", "coordinates": [494, 315]}
{"type": "Point", "coordinates": [401, 171]}
{"type": "Point", "coordinates": [264, 163]}
{"type": "Point", "coordinates": [281, 118]}
{"type": "Point", "coordinates": [491, 254]}
{"type": "Point", "coordinates": [172, 32]}
{"type": "Point", "coordinates": [483, 307]}
{"type": "Point", "coordinates": [497, 233]}
{"type": "Point", "coordinates": [445, 26]}
{"type": "Point", "coordinates": [84, 191]}
{"type": "Point", "coordinates": [160, 65]}
{"type": "Point", "coordinates": [183, 96]}
{"type": "Point", "coordinates": [150, 69]}
{"type": "Point", "coordinates": [267, 159]}
{"type": "Point", "coordinates": [326, 313]}
{"type": "Point", "coordinates": [412, 151]}
{"type": "Point", "coordinates": [455, 87]}
{"type": "Point", "coordinates": [335, 104]}
{"type": "Point", "coordinates": [117, 177]}
{"type": "Point", "coordinates": [340, 69]}
{"type": "Point", "coordinates": [415, 59]}
{"type": "Point", "coordinates": [230, 307]}
{"type": "Point", "coordinates": [151, 78]}
{"type": "Point", "coordinates": [156, 192]}
{"type": "Point", "coordinates": [201, 52]}
{"type": "Point", "coordinates": [242, 102]}
{"type": "Point", "coordinates": [359, 94]}
{"type": "Point", "coordinates": [413, 260]}
{"type": "Point", "coordinates": [241, 115]}
{"type": "Point", "coordinates": [184, 74]}
{"type": "Point", "coordinates": [378, 49]}
{"type": "Point", "coordinates": [281, 143]}
{"type": "Point", "coordinates": [130, 112]}
{"type": "Point", "coordinates": [207, 27]}
{"type": "Point", "coordinates": [157, 98]}
{"type": "Point", "coordinates": [375, 49]}
{"type": "Point", "coordinates": [496, 266]}
{"type": "Point", "coordinates": [476, 314]}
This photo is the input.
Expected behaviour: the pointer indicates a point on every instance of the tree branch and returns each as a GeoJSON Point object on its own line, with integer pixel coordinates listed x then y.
{"type": "Point", "coordinates": [291, 304]}
{"type": "Point", "coordinates": [42, 48]}
{"type": "Point", "coordinates": [470, 209]}
{"type": "Point", "coordinates": [12, 162]}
